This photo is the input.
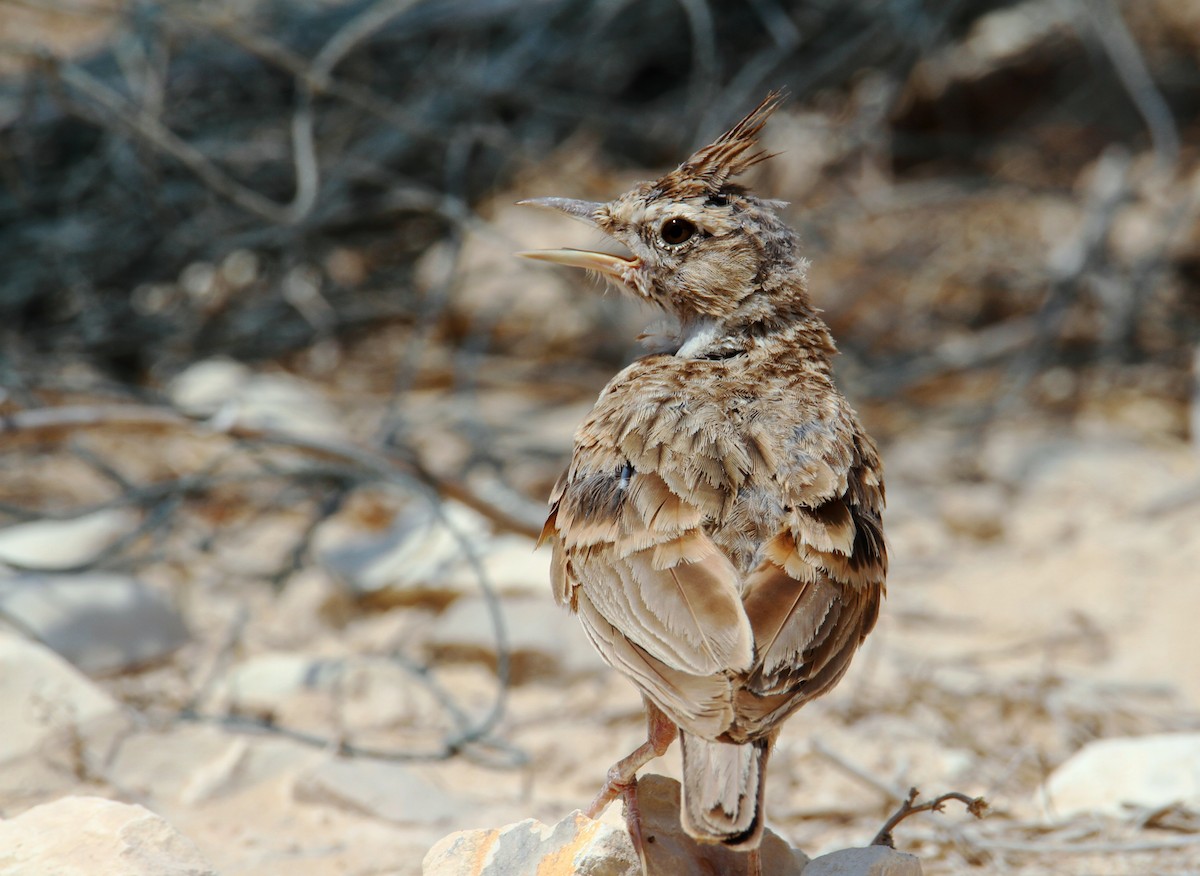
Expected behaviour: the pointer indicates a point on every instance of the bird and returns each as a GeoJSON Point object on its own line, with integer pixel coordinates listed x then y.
{"type": "Point", "coordinates": [719, 529]}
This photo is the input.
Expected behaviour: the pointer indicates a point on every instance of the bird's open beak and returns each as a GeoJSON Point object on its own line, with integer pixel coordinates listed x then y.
{"type": "Point", "coordinates": [616, 267]}
{"type": "Point", "coordinates": [584, 211]}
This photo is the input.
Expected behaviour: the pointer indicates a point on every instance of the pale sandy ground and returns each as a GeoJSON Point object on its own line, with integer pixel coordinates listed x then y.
{"type": "Point", "coordinates": [1051, 604]}
{"type": "Point", "coordinates": [994, 661]}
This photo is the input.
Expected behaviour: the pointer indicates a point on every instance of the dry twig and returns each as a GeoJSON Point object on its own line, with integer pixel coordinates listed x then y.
{"type": "Point", "coordinates": [977, 806]}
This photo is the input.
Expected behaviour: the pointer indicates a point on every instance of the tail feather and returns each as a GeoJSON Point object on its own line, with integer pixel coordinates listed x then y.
{"type": "Point", "coordinates": [723, 790]}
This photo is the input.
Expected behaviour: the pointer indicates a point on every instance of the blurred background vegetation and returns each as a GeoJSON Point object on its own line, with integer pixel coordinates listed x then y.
{"type": "Point", "coordinates": [1000, 197]}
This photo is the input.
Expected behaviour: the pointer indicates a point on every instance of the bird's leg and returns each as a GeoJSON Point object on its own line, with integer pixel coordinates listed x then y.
{"type": "Point", "coordinates": [754, 862]}
{"type": "Point", "coordinates": [622, 777]}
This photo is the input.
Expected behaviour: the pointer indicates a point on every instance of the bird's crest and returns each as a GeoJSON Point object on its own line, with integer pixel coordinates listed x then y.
{"type": "Point", "coordinates": [710, 168]}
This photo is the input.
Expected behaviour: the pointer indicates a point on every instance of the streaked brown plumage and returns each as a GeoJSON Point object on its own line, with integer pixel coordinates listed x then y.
{"type": "Point", "coordinates": [719, 529]}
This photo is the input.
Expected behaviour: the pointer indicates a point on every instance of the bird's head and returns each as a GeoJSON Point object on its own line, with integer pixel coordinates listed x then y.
{"type": "Point", "coordinates": [699, 245]}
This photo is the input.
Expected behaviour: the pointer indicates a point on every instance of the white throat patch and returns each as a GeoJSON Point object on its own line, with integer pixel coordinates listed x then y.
{"type": "Point", "coordinates": [698, 338]}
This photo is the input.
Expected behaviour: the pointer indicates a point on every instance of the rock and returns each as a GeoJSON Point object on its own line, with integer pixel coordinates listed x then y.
{"type": "Point", "coordinates": [101, 622]}
{"type": "Point", "coordinates": [409, 563]}
{"type": "Point", "coordinates": [230, 393]}
{"type": "Point", "coordinates": [420, 559]}
{"type": "Point", "coordinates": [299, 689]}
{"type": "Point", "coordinates": [543, 639]}
{"type": "Point", "coordinates": [869, 861]}
{"type": "Point", "coordinates": [579, 845]}
{"type": "Point", "coordinates": [85, 836]}
{"type": "Point", "coordinates": [390, 791]}
{"type": "Point", "coordinates": [673, 851]}
{"type": "Point", "coordinates": [53, 714]}
{"type": "Point", "coordinates": [261, 684]}
{"type": "Point", "coordinates": [1109, 775]}
{"type": "Point", "coordinates": [514, 568]}
{"type": "Point", "coordinates": [576, 845]}
{"type": "Point", "coordinates": [64, 544]}
{"type": "Point", "coordinates": [195, 763]}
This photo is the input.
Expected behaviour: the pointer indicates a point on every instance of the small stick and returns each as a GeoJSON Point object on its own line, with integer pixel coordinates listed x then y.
{"type": "Point", "coordinates": [975, 805]}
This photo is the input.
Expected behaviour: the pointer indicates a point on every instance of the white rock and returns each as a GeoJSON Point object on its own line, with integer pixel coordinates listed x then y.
{"type": "Point", "coordinates": [261, 684]}
{"type": "Point", "coordinates": [576, 845]}
{"type": "Point", "coordinates": [231, 393]}
{"type": "Point", "coordinates": [390, 791]}
{"type": "Point", "coordinates": [367, 692]}
{"type": "Point", "coordinates": [542, 638]}
{"type": "Point", "coordinates": [1108, 775]}
{"type": "Point", "coordinates": [64, 544]}
{"type": "Point", "coordinates": [99, 621]}
{"type": "Point", "coordinates": [514, 568]}
{"type": "Point", "coordinates": [195, 763]}
{"type": "Point", "coordinates": [869, 861]}
{"type": "Point", "coordinates": [579, 845]}
{"type": "Point", "coordinates": [91, 836]}
{"type": "Point", "coordinates": [421, 559]}
{"type": "Point", "coordinates": [51, 711]}
{"type": "Point", "coordinates": [410, 563]}
{"type": "Point", "coordinates": [203, 388]}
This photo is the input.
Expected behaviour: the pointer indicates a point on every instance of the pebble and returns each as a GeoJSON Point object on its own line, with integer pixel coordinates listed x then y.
{"type": "Point", "coordinates": [54, 545]}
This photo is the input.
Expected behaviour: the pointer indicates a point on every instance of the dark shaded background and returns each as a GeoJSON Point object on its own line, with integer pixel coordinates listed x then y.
{"type": "Point", "coordinates": [182, 137]}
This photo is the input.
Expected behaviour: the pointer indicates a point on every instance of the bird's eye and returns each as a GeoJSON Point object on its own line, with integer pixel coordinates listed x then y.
{"type": "Point", "coordinates": [676, 231]}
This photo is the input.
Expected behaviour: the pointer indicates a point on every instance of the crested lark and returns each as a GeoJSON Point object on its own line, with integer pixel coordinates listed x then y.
{"type": "Point", "coordinates": [719, 529]}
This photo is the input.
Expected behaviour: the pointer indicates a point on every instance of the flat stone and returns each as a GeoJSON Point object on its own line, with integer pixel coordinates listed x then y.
{"type": "Point", "coordinates": [294, 689]}
{"type": "Point", "coordinates": [91, 836]}
{"type": "Point", "coordinates": [64, 544]}
{"type": "Point", "coordinates": [101, 622]}
{"type": "Point", "coordinates": [230, 393]}
{"type": "Point", "coordinates": [421, 559]}
{"type": "Point", "coordinates": [514, 568]}
{"type": "Point", "coordinates": [543, 640]}
{"type": "Point", "coordinates": [579, 845]}
{"type": "Point", "coordinates": [869, 861]}
{"type": "Point", "coordinates": [389, 791]}
{"type": "Point", "coordinates": [261, 684]}
{"type": "Point", "coordinates": [409, 563]}
{"type": "Point", "coordinates": [52, 712]}
{"type": "Point", "coordinates": [1108, 776]}
{"type": "Point", "coordinates": [195, 763]}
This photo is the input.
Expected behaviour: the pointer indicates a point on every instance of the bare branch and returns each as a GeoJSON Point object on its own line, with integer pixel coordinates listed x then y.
{"type": "Point", "coordinates": [1130, 65]}
{"type": "Point", "coordinates": [977, 806]}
